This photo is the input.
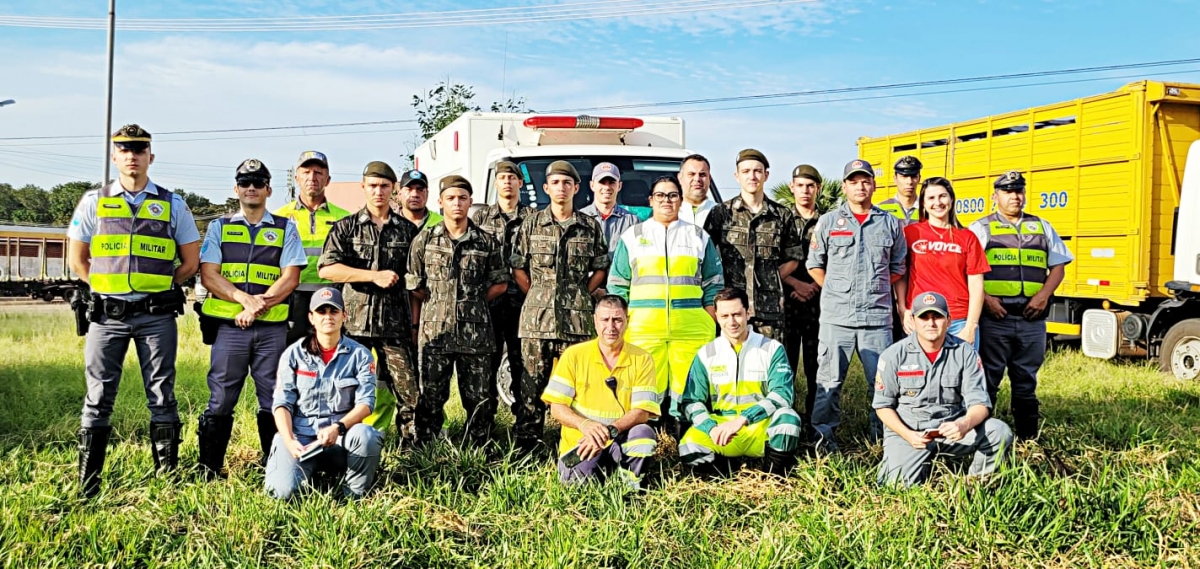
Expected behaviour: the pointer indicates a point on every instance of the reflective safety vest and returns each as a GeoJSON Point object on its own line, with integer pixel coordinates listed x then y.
{"type": "Point", "coordinates": [739, 380]}
{"type": "Point", "coordinates": [666, 294]}
{"type": "Point", "coordinates": [1018, 256]}
{"type": "Point", "coordinates": [895, 209]}
{"type": "Point", "coordinates": [132, 250]}
{"type": "Point", "coordinates": [314, 228]}
{"type": "Point", "coordinates": [250, 261]}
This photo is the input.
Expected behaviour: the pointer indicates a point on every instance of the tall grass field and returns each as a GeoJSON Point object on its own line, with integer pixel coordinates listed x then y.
{"type": "Point", "coordinates": [1114, 481]}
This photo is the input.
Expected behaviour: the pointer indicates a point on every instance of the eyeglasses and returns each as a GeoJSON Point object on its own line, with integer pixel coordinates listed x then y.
{"type": "Point", "coordinates": [666, 197]}
{"type": "Point", "coordinates": [247, 182]}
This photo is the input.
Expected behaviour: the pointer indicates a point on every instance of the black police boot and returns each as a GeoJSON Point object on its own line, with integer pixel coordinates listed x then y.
{"type": "Point", "coordinates": [266, 433]}
{"type": "Point", "coordinates": [214, 436]}
{"type": "Point", "coordinates": [93, 446]}
{"type": "Point", "coordinates": [1026, 418]}
{"type": "Point", "coordinates": [778, 462]}
{"type": "Point", "coordinates": [164, 445]}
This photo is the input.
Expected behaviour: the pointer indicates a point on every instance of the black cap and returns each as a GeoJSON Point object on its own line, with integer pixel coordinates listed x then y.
{"type": "Point", "coordinates": [454, 182]}
{"type": "Point", "coordinates": [326, 296]}
{"type": "Point", "coordinates": [930, 302]}
{"type": "Point", "coordinates": [413, 177]}
{"type": "Point", "coordinates": [752, 154]}
{"type": "Point", "coordinates": [379, 169]}
{"type": "Point", "coordinates": [856, 166]}
{"type": "Point", "coordinates": [254, 169]}
{"type": "Point", "coordinates": [131, 137]}
{"type": "Point", "coordinates": [1011, 181]}
{"type": "Point", "coordinates": [908, 166]}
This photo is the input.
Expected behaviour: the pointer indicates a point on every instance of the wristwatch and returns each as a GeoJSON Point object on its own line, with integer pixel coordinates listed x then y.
{"type": "Point", "coordinates": [341, 428]}
{"type": "Point", "coordinates": [613, 431]}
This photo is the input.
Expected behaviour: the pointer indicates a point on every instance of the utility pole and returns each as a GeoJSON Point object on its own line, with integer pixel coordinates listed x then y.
{"type": "Point", "coordinates": [291, 183]}
{"type": "Point", "coordinates": [112, 21]}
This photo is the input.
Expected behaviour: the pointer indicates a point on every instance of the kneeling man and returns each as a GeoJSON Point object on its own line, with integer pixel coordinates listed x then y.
{"type": "Point", "coordinates": [931, 395]}
{"type": "Point", "coordinates": [602, 392]}
{"type": "Point", "coordinates": [739, 395]}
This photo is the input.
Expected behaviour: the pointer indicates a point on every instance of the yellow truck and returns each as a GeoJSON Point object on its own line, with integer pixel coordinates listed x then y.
{"type": "Point", "coordinates": [1118, 176]}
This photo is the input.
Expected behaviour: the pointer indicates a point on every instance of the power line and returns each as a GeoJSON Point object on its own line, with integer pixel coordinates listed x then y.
{"type": "Point", "coordinates": [602, 9]}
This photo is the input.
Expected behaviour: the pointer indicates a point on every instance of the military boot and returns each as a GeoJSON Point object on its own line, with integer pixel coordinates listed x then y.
{"type": "Point", "coordinates": [778, 462]}
{"type": "Point", "coordinates": [266, 433]}
{"type": "Point", "coordinates": [93, 445]}
{"type": "Point", "coordinates": [164, 445]}
{"type": "Point", "coordinates": [214, 436]}
{"type": "Point", "coordinates": [1026, 419]}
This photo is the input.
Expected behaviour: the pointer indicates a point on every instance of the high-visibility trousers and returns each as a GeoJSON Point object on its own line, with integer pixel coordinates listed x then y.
{"type": "Point", "coordinates": [672, 360]}
{"type": "Point", "coordinates": [780, 431]}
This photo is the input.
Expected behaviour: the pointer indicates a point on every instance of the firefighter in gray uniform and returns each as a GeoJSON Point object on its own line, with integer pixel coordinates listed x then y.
{"type": "Point", "coordinates": [1028, 261]}
{"type": "Point", "coordinates": [125, 241]}
{"type": "Point", "coordinates": [857, 257]}
{"type": "Point", "coordinates": [250, 263]}
{"type": "Point", "coordinates": [929, 393]}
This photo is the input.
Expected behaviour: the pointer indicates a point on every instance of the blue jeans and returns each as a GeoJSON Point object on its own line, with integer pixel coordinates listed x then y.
{"type": "Point", "coordinates": [956, 326]}
{"type": "Point", "coordinates": [356, 454]}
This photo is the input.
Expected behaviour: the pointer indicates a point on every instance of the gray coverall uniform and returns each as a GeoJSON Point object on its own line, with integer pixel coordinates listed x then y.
{"type": "Point", "coordinates": [856, 305]}
{"type": "Point", "coordinates": [926, 394]}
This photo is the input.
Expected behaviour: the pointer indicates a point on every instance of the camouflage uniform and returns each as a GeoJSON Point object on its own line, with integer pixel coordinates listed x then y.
{"type": "Point", "coordinates": [456, 327]}
{"type": "Point", "coordinates": [379, 318]}
{"type": "Point", "coordinates": [753, 246]}
{"type": "Point", "coordinates": [559, 258]}
{"type": "Point", "coordinates": [803, 318]}
{"type": "Point", "coordinates": [506, 310]}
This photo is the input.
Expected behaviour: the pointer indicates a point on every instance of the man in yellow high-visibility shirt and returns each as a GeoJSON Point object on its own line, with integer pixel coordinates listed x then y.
{"type": "Point", "coordinates": [314, 216]}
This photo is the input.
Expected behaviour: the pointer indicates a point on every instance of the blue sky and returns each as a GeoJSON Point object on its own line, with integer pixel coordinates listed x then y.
{"type": "Point", "coordinates": [192, 81]}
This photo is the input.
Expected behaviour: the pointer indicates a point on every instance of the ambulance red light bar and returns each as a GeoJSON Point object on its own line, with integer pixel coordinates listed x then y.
{"type": "Point", "coordinates": [584, 122]}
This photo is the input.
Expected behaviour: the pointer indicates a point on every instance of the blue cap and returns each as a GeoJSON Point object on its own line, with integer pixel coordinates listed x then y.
{"type": "Point", "coordinates": [930, 302]}
{"type": "Point", "coordinates": [326, 296]}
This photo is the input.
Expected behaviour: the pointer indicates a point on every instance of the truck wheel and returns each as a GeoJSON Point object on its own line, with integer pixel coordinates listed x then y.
{"type": "Point", "coordinates": [1180, 353]}
{"type": "Point", "coordinates": [48, 295]}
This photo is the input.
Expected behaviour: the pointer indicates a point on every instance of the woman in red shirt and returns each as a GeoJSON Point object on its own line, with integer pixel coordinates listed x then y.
{"type": "Point", "coordinates": [945, 257]}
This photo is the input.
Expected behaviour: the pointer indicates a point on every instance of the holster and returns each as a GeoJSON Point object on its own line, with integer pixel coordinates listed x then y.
{"type": "Point", "coordinates": [166, 302]}
{"type": "Point", "coordinates": [208, 329]}
{"type": "Point", "coordinates": [81, 307]}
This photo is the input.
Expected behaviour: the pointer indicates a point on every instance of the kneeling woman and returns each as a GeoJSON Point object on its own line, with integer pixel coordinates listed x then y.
{"type": "Point", "coordinates": [324, 389]}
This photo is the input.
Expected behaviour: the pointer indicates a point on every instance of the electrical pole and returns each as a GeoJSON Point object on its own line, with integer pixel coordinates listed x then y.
{"type": "Point", "coordinates": [112, 20]}
{"type": "Point", "coordinates": [291, 177]}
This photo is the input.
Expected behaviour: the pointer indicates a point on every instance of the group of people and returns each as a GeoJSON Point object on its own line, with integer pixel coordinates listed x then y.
{"type": "Point", "coordinates": [689, 323]}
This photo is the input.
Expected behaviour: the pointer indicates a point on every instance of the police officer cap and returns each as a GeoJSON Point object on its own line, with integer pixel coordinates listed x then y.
{"type": "Point", "coordinates": [414, 177]}
{"type": "Point", "coordinates": [506, 167]}
{"type": "Point", "coordinates": [806, 171]}
{"type": "Point", "coordinates": [1011, 181]}
{"type": "Point", "coordinates": [254, 169]}
{"type": "Point", "coordinates": [752, 154]}
{"type": "Point", "coordinates": [454, 182]}
{"type": "Point", "coordinates": [131, 137]}
{"type": "Point", "coordinates": [857, 166]}
{"type": "Point", "coordinates": [327, 296]}
{"type": "Point", "coordinates": [564, 168]}
{"type": "Point", "coordinates": [379, 169]}
{"type": "Point", "coordinates": [930, 302]}
{"type": "Point", "coordinates": [908, 166]}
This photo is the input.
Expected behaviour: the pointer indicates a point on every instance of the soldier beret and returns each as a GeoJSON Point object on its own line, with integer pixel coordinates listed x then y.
{"type": "Point", "coordinates": [806, 171]}
{"type": "Point", "coordinates": [1011, 181]}
{"type": "Point", "coordinates": [454, 182]}
{"type": "Point", "coordinates": [379, 169]}
{"type": "Point", "coordinates": [504, 166]}
{"type": "Point", "coordinates": [564, 168]}
{"type": "Point", "coordinates": [752, 154]}
{"type": "Point", "coordinates": [414, 177]}
{"type": "Point", "coordinates": [252, 168]}
{"type": "Point", "coordinates": [908, 166]}
{"type": "Point", "coordinates": [857, 166]}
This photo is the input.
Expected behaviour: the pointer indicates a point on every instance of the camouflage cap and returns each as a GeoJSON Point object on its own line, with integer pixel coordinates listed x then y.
{"type": "Point", "coordinates": [857, 166]}
{"type": "Point", "coordinates": [806, 171]}
{"type": "Point", "coordinates": [1011, 181]}
{"type": "Point", "coordinates": [562, 168]}
{"type": "Point", "coordinates": [908, 166]}
{"type": "Point", "coordinates": [379, 169]}
{"type": "Point", "coordinates": [930, 302]}
{"type": "Point", "coordinates": [131, 133]}
{"type": "Point", "coordinates": [752, 154]}
{"type": "Point", "coordinates": [252, 168]}
{"type": "Point", "coordinates": [414, 177]}
{"type": "Point", "coordinates": [454, 182]}
{"type": "Point", "coordinates": [504, 166]}
{"type": "Point", "coordinates": [312, 156]}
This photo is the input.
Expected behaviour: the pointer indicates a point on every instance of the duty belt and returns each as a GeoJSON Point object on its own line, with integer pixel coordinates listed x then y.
{"type": "Point", "coordinates": [121, 309]}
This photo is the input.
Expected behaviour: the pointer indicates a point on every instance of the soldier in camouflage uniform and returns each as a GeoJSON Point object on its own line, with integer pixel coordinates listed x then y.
{"type": "Point", "coordinates": [758, 244]}
{"type": "Point", "coordinates": [369, 251]}
{"type": "Point", "coordinates": [560, 259]}
{"type": "Point", "coordinates": [501, 221]}
{"type": "Point", "coordinates": [803, 302]}
{"type": "Point", "coordinates": [454, 270]}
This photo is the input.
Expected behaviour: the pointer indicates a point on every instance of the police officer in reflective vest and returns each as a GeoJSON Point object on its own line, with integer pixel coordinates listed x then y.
{"type": "Point", "coordinates": [314, 216]}
{"type": "Point", "coordinates": [133, 242]}
{"type": "Point", "coordinates": [250, 263]}
{"type": "Point", "coordinates": [1028, 261]}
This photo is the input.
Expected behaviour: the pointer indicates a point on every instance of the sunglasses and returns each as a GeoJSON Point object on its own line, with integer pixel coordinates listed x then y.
{"type": "Point", "coordinates": [245, 183]}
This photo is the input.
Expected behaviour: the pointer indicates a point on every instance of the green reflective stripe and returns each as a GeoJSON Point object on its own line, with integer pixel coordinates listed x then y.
{"type": "Point", "coordinates": [145, 282]}
{"type": "Point", "coordinates": [154, 247]}
{"type": "Point", "coordinates": [1017, 258]}
{"type": "Point", "coordinates": [1002, 288]}
{"type": "Point", "coordinates": [998, 228]}
{"type": "Point", "coordinates": [233, 233]}
{"type": "Point", "coordinates": [110, 245]}
{"type": "Point", "coordinates": [219, 308]}
{"type": "Point", "coordinates": [109, 284]}
{"type": "Point", "coordinates": [264, 275]}
{"type": "Point", "coordinates": [234, 272]}
{"type": "Point", "coordinates": [113, 207]}
{"type": "Point", "coordinates": [269, 237]}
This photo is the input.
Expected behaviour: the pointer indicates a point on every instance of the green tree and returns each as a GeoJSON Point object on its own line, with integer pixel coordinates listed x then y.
{"type": "Point", "coordinates": [8, 202]}
{"type": "Point", "coordinates": [34, 205]}
{"type": "Point", "coordinates": [514, 104]}
{"type": "Point", "coordinates": [829, 198]}
{"type": "Point", "coordinates": [439, 106]}
{"type": "Point", "coordinates": [64, 198]}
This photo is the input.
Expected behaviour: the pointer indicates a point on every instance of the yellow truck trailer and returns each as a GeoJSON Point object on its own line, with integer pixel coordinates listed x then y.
{"type": "Point", "coordinates": [1118, 176]}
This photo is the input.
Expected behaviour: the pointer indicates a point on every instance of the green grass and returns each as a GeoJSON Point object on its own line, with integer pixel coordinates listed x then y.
{"type": "Point", "coordinates": [1113, 482]}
